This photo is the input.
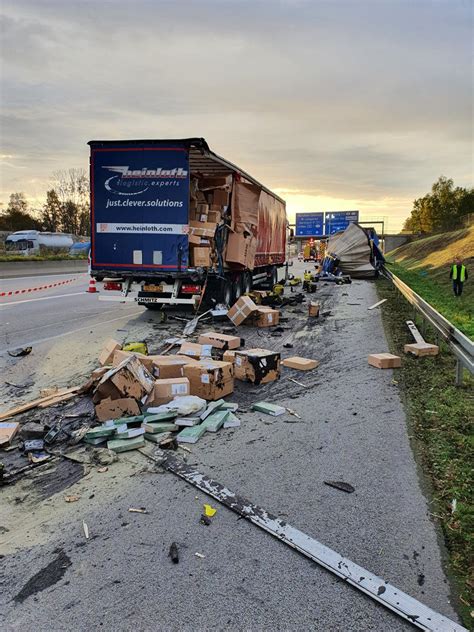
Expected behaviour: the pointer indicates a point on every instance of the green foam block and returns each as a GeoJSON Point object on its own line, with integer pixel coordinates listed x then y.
{"type": "Point", "coordinates": [122, 445]}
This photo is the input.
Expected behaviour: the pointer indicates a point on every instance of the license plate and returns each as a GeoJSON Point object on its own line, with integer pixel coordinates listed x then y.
{"type": "Point", "coordinates": [152, 288]}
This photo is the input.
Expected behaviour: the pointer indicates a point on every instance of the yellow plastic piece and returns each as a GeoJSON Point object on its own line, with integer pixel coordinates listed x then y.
{"type": "Point", "coordinates": [278, 289]}
{"type": "Point", "coordinates": [209, 511]}
{"type": "Point", "coordinates": [136, 347]}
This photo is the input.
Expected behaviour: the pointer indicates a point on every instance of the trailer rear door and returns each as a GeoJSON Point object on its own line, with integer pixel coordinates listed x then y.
{"type": "Point", "coordinates": [139, 206]}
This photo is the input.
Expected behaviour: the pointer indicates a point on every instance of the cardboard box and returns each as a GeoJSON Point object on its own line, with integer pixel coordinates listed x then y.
{"type": "Point", "coordinates": [241, 248]}
{"type": "Point", "coordinates": [220, 197]}
{"type": "Point", "coordinates": [202, 209]}
{"type": "Point", "coordinates": [200, 257]}
{"type": "Point", "coordinates": [258, 366]}
{"type": "Point", "coordinates": [128, 379]}
{"type": "Point", "coordinates": [214, 216]}
{"type": "Point", "coordinates": [302, 364]}
{"type": "Point", "coordinates": [8, 430]}
{"type": "Point", "coordinates": [265, 317]}
{"type": "Point", "coordinates": [213, 183]}
{"type": "Point", "coordinates": [384, 360]}
{"type": "Point", "coordinates": [422, 349]}
{"type": "Point", "coordinates": [120, 356]}
{"type": "Point", "coordinates": [165, 367]}
{"type": "Point", "coordinates": [194, 240]}
{"type": "Point", "coordinates": [116, 408]}
{"type": "Point", "coordinates": [210, 379]}
{"type": "Point", "coordinates": [202, 229]}
{"type": "Point", "coordinates": [313, 309]}
{"type": "Point", "coordinates": [166, 390]}
{"type": "Point", "coordinates": [241, 310]}
{"type": "Point", "coordinates": [195, 350]}
{"type": "Point", "coordinates": [229, 356]}
{"type": "Point", "coordinates": [219, 341]}
{"type": "Point", "coordinates": [107, 353]}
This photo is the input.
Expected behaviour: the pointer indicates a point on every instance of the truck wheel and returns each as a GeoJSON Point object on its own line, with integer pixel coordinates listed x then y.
{"type": "Point", "coordinates": [272, 278]}
{"type": "Point", "coordinates": [237, 290]}
{"type": "Point", "coordinates": [226, 292]}
{"type": "Point", "coordinates": [246, 282]}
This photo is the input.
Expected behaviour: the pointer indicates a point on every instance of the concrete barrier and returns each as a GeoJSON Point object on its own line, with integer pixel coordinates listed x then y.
{"type": "Point", "coordinates": [16, 269]}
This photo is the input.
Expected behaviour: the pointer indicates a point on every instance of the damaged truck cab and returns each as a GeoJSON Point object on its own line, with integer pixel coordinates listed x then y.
{"type": "Point", "coordinates": [181, 222]}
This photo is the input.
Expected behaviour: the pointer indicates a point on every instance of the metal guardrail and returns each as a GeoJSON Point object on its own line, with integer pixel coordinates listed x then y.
{"type": "Point", "coordinates": [460, 344]}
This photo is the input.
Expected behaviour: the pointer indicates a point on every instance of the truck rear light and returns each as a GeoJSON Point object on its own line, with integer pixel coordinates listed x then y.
{"type": "Point", "coordinates": [112, 285]}
{"type": "Point", "coordinates": [190, 289]}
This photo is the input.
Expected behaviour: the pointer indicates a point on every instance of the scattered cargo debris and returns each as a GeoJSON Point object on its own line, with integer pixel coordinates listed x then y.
{"type": "Point", "coordinates": [378, 303]}
{"type": "Point", "coordinates": [344, 487]}
{"type": "Point", "coordinates": [385, 360]}
{"type": "Point", "coordinates": [174, 553]}
{"type": "Point", "coordinates": [19, 353]}
{"type": "Point", "coordinates": [269, 409]}
{"type": "Point", "coordinates": [301, 364]}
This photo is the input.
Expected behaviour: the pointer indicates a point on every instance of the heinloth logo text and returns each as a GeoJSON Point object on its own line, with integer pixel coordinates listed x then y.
{"type": "Point", "coordinates": [158, 172]}
{"type": "Point", "coordinates": [127, 202]}
{"type": "Point", "coordinates": [170, 229]}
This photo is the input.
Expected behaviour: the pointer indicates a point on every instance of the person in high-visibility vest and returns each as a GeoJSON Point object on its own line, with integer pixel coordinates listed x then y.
{"type": "Point", "coordinates": [458, 274]}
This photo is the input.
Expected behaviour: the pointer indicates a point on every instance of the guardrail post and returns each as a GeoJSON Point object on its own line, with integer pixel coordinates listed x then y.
{"type": "Point", "coordinates": [459, 372]}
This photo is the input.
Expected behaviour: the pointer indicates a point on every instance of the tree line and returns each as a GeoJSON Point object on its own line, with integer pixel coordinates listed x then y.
{"type": "Point", "coordinates": [66, 209]}
{"type": "Point", "coordinates": [441, 210]}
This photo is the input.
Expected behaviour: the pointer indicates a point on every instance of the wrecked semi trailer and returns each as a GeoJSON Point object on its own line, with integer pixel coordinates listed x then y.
{"type": "Point", "coordinates": [181, 222]}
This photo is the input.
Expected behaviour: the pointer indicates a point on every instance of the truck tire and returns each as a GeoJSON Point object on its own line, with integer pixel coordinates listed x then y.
{"type": "Point", "coordinates": [226, 292]}
{"type": "Point", "coordinates": [246, 282]}
{"type": "Point", "coordinates": [237, 289]}
{"type": "Point", "coordinates": [272, 278]}
{"type": "Point", "coordinates": [218, 291]}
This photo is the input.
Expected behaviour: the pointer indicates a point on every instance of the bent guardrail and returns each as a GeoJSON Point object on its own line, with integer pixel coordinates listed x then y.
{"type": "Point", "coordinates": [459, 343]}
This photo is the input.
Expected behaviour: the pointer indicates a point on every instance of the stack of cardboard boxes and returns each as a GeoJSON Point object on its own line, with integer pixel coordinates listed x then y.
{"type": "Point", "coordinates": [208, 205]}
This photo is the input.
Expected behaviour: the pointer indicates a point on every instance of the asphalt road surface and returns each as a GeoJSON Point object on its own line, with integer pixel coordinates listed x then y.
{"type": "Point", "coordinates": [352, 427]}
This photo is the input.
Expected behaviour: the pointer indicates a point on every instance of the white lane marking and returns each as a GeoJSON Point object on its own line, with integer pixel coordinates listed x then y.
{"type": "Point", "coordinates": [40, 276]}
{"type": "Point", "coordinates": [43, 298]}
{"type": "Point", "coordinates": [74, 331]}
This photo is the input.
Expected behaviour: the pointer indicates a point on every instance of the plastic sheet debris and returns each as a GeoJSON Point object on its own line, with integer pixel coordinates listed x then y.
{"type": "Point", "coordinates": [182, 405]}
{"type": "Point", "coordinates": [174, 553]}
{"type": "Point", "coordinates": [141, 510]}
{"type": "Point", "coordinates": [19, 353]}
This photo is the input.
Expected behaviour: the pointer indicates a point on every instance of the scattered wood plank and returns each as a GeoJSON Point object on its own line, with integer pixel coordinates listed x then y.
{"type": "Point", "coordinates": [377, 304]}
{"type": "Point", "coordinates": [42, 400]}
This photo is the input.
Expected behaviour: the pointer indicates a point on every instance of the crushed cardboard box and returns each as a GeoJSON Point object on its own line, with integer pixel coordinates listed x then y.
{"type": "Point", "coordinates": [120, 356]}
{"type": "Point", "coordinates": [219, 341]}
{"type": "Point", "coordinates": [8, 430]}
{"type": "Point", "coordinates": [129, 379]}
{"type": "Point", "coordinates": [116, 408]}
{"type": "Point", "coordinates": [257, 366]}
{"type": "Point", "coordinates": [313, 309]}
{"type": "Point", "coordinates": [210, 379]}
{"type": "Point", "coordinates": [107, 353]}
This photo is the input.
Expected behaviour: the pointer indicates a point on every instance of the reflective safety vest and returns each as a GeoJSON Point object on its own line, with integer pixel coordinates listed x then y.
{"type": "Point", "coordinates": [462, 275]}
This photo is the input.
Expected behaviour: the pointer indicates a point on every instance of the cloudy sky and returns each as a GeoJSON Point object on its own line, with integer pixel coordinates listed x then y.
{"type": "Point", "coordinates": [335, 104]}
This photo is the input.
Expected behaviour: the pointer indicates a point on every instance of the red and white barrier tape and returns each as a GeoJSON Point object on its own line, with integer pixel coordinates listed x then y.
{"type": "Point", "coordinates": [35, 289]}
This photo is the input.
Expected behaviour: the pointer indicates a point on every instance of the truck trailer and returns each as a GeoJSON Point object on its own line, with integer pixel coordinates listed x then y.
{"type": "Point", "coordinates": [181, 224]}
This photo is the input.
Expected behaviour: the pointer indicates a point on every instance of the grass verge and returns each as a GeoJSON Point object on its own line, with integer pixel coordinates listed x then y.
{"type": "Point", "coordinates": [440, 415]}
{"type": "Point", "coordinates": [439, 293]}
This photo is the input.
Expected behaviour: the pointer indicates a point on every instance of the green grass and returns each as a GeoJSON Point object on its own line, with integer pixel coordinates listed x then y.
{"type": "Point", "coordinates": [437, 289]}
{"type": "Point", "coordinates": [7, 258]}
{"type": "Point", "coordinates": [440, 417]}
